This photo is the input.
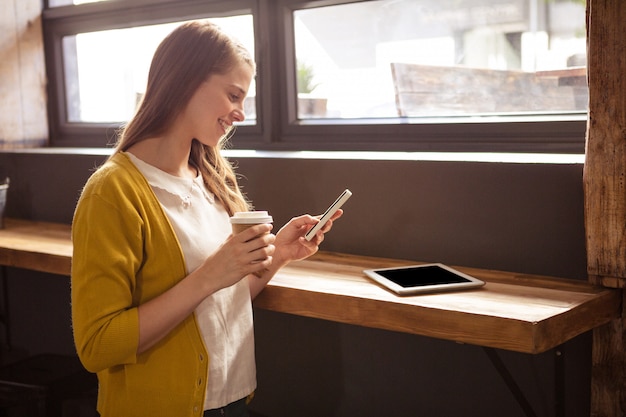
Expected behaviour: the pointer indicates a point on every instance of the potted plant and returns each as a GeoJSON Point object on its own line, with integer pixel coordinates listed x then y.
{"type": "Point", "coordinates": [309, 106]}
{"type": "Point", "coordinates": [4, 188]}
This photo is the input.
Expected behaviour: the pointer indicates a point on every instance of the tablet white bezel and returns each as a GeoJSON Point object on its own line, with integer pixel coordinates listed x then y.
{"type": "Point", "coordinates": [400, 290]}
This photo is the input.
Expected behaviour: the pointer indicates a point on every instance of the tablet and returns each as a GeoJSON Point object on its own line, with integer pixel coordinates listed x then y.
{"type": "Point", "coordinates": [426, 278]}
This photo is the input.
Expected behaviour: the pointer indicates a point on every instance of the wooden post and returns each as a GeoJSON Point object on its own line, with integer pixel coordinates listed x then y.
{"type": "Point", "coordinates": [605, 193]}
{"type": "Point", "coordinates": [23, 113]}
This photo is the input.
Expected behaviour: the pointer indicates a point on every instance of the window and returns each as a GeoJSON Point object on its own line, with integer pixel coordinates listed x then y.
{"type": "Point", "coordinates": [445, 75]}
{"type": "Point", "coordinates": [98, 55]}
{"type": "Point", "coordinates": [110, 93]}
{"type": "Point", "coordinates": [390, 58]}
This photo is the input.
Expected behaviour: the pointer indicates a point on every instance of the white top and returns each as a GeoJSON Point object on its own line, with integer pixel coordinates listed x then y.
{"type": "Point", "coordinates": [225, 317]}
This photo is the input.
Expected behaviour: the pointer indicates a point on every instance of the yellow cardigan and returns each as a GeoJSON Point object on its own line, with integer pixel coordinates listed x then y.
{"type": "Point", "coordinates": [126, 253]}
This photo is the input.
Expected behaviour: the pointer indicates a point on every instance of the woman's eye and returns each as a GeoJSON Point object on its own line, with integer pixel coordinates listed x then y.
{"type": "Point", "coordinates": [234, 97]}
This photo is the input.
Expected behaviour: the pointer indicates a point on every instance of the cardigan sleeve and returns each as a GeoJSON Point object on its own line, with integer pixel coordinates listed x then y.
{"type": "Point", "coordinates": [108, 252]}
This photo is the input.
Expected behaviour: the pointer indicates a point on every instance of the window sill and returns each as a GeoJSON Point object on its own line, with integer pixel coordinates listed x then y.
{"type": "Point", "coordinates": [492, 157]}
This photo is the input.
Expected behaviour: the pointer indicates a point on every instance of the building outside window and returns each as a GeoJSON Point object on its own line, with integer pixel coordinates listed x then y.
{"type": "Point", "coordinates": [108, 91]}
{"type": "Point", "coordinates": [408, 58]}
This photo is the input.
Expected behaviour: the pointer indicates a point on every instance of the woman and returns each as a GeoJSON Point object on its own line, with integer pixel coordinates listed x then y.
{"type": "Point", "coordinates": [161, 290]}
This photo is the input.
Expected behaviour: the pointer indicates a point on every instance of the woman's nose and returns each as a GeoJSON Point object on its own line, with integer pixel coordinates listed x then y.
{"type": "Point", "coordinates": [238, 115]}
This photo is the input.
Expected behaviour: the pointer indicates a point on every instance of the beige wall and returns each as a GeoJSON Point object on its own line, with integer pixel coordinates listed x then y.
{"type": "Point", "coordinates": [23, 114]}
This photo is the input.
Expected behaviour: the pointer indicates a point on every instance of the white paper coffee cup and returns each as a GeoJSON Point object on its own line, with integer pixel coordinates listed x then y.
{"type": "Point", "coordinates": [242, 220]}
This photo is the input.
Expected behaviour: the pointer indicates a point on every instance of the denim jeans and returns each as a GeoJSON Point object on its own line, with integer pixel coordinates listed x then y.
{"type": "Point", "coordinates": [235, 409]}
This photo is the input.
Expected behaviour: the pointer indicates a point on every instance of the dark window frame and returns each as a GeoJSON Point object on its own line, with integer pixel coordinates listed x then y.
{"type": "Point", "coordinates": [277, 126]}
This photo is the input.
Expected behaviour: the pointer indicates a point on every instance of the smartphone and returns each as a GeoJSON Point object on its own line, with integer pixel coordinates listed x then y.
{"type": "Point", "coordinates": [328, 214]}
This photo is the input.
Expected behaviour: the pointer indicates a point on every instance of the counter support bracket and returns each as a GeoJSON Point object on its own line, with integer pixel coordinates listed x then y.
{"type": "Point", "coordinates": [559, 382]}
{"type": "Point", "coordinates": [4, 310]}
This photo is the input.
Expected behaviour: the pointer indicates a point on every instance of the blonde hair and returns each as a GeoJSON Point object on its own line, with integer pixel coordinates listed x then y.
{"type": "Point", "coordinates": [184, 59]}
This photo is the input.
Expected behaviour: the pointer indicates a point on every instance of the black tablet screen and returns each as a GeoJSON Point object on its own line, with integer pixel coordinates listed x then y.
{"type": "Point", "coordinates": [422, 276]}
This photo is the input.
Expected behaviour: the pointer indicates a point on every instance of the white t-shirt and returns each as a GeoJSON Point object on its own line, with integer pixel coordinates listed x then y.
{"type": "Point", "coordinates": [225, 317]}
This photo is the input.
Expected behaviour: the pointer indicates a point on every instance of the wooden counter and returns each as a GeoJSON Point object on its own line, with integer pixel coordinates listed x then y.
{"type": "Point", "coordinates": [39, 246]}
{"type": "Point", "coordinates": [517, 312]}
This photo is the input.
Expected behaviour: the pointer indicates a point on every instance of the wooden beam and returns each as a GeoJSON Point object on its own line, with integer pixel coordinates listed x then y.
{"type": "Point", "coordinates": [605, 194]}
{"type": "Point", "coordinates": [605, 165]}
{"type": "Point", "coordinates": [23, 112]}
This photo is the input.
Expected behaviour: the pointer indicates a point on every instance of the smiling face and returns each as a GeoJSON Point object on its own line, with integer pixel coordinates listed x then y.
{"type": "Point", "coordinates": [216, 105]}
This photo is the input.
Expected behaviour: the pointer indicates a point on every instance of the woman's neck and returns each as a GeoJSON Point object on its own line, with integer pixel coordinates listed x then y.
{"type": "Point", "coordinates": [167, 155]}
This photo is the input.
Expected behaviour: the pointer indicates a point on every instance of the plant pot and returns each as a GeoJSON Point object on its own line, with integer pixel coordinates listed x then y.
{"type": "Point", "coordinates": [311, 107]}
{"type": "Point", "coordinates": [4, 189]}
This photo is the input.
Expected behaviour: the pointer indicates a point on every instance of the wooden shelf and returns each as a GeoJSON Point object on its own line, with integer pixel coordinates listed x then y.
{"type": "Point", "coordinates": [518, 312]}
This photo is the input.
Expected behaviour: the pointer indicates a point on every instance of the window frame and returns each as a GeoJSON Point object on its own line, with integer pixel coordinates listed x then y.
{"type": "Point", "coordinates": [278, 127]}
{"type": "Point", "coordinates": [69, 20]}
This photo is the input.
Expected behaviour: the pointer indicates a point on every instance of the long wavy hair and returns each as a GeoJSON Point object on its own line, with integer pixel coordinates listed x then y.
{"type": "Point", "coordinates": [184, 59]}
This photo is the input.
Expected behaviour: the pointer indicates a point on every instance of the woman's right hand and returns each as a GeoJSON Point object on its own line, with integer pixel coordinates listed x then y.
{"type": "Point", "coordinates": [240, 255]}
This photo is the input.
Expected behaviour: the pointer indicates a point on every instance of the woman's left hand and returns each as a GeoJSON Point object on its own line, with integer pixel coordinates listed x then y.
{"type": "Point", "coordinates": [290, 242]}
{"type": "Point", "coordinates": [290, 245]}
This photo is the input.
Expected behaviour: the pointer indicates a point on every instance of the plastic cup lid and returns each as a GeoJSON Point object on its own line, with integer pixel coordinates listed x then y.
{"type": "Point", "coordinates": [251, 217]}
